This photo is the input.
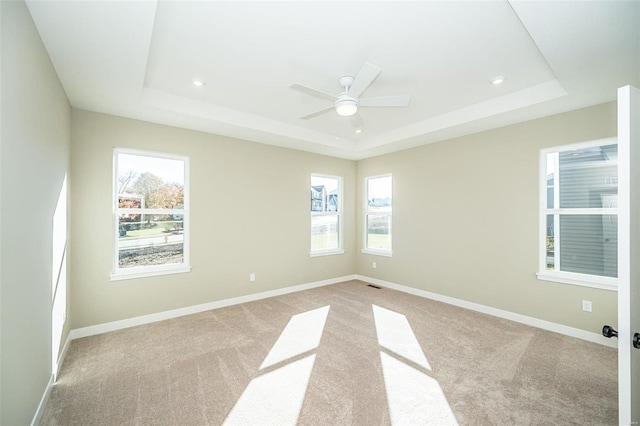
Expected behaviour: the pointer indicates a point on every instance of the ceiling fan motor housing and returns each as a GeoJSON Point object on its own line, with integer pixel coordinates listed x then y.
{"type": "Point", "coordinates": [346, 81]}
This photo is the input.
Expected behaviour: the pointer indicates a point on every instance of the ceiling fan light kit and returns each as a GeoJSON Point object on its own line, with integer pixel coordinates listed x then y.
{"type": "Point", "coordinates": [346, 105]}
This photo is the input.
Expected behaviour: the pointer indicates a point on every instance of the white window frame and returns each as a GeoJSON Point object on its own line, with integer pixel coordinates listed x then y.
{"type": "Point", "coordinates": [574, 278]}
{"type": "Point", "coordinates": [365, 201]}
{"type": "Point", "coordinates": [338, 214]}
{"type": "Point", "coordinates": [151, 270]}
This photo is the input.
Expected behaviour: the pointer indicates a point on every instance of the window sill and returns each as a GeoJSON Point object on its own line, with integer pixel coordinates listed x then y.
{"type": "Point", "coordinates": [325, 253]}
{"type": "Point", "coordinates": [583, 280]}
{"type": "Point", "coordinates": [133, 274]}
{"type": "Point", "coordinates": [385, 253]}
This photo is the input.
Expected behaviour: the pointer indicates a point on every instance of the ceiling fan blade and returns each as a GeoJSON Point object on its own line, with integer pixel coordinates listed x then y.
{"type": "Point", "coordinates": [313, 92]}
{"type": "Point", "coordinates": [356, 121]}
{"type": "Point", "coordinates": [385, 101]}
{"type": "Point", "coordinates": [317, 113]}
{"type": "Point", "coordinates": [365, 77]}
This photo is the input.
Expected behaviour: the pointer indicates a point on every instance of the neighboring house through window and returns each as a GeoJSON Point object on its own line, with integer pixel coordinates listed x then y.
{"type": "Point", "coordinates": [151, 214]}
{"type": "Point", "coordinates": [377, 215]}
{"type": "Point", "coordinates": [579, 214]}
{"type": "Point", "coordinates": [326, 211]}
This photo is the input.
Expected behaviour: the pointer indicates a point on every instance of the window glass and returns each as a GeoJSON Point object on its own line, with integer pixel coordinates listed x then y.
{"type": "Point", "coordinates": [586, 175]}
{"type": "Point", "coordinates": [379, 231]}
{"type": "Point", "coordinates": [589, 244]}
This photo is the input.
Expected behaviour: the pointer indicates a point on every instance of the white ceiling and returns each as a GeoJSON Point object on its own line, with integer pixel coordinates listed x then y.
{"type": "Point", "coordinates": [138, 59]}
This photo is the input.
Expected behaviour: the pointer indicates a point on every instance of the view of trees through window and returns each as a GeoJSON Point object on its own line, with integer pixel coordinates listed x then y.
{"type": "Point", "coordinates": [150, 210]}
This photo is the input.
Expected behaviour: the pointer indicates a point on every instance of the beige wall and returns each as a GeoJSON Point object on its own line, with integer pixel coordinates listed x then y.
{"type": "Point", "coordinates": [250, 214]}
{"type": "Point", "coordinates": [34, 155]}
{"type": "Point", "coordinates": [465, 219]}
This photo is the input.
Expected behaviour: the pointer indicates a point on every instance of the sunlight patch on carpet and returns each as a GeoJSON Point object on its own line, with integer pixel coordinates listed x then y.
{"type": "Point", "coordinates": [275, 398]}
{"type": "Point", "coordinates": [302, 334]}
{"type": "Point", "coordinates": [396, 335]}
{"type": "Point", "coordinates": [414, 398]}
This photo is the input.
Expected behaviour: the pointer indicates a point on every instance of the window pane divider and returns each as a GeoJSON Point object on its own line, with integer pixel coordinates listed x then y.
{"type": "Point", "coordinates": [582, 211]}
{"type": "Point", "coordinates": [150, 211]}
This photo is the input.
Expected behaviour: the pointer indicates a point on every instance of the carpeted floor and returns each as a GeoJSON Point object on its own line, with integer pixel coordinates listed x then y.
{"type": "Point", "coordinates": [345, 354]}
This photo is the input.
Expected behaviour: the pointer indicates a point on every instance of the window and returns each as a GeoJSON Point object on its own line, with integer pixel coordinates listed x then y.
{"type": "Point", "coordinates": [377, 216]}
{"type": "Point", "coordinates": [326, 209]}
{"type": "Point", "coordinates": [151, 214]}
{"type": "Point", "coordinates": [579, 214]}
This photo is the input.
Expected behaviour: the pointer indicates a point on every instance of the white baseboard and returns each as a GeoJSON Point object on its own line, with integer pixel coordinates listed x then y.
{"type": "Point", "coordinates": [43, 402]}
{"type": "Point", "coordinates": [523, 319]}
{"type": "Point", "coordinates": [52, 380]}
{"type": "Point", "coordinates": [160, 316]}
{"type": "Point", "coordinates": [61, 356]}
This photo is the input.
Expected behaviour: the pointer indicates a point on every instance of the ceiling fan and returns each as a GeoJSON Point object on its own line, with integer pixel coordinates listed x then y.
{"type": "Point", "coordinates": [347, 102]}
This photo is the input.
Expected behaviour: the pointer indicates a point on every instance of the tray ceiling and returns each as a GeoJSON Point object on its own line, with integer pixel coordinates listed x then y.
{"type": "Point", "coordinates": [139, 59]}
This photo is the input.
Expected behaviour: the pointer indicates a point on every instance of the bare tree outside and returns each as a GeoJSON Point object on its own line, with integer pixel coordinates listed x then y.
{"type": "Point", "coordinates": [124, 179]}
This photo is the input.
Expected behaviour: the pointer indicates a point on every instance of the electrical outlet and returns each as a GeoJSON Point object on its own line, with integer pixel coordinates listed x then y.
{"type": "Point", "coordinates": [586, 305]}
{"type": "Point", "coordinates": [373, 265]}
{"type": "Point", "coordinates": [252, 277]}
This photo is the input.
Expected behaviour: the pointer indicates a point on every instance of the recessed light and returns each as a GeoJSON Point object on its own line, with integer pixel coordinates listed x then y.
{"type": "Point", "coordinates": [497, 80]}
{"type": "Point", "coordinates": [358, 131]}
{"type": "Point", "coordinates": [198, 82]}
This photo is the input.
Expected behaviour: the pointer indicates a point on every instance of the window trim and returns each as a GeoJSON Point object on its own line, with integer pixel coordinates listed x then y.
{"type": "Point", "coordinates": [565, 277]}
{"type": "Point", "coordinates": [365, 201]}
{"type": "Point", "coordinates": [340, 249]}
{"type": "Point", "coordinates": [117, 273]}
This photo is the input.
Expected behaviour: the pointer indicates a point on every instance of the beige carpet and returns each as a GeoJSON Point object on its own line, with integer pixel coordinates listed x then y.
{"type": "Point", "coordinates": [336, 355]}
